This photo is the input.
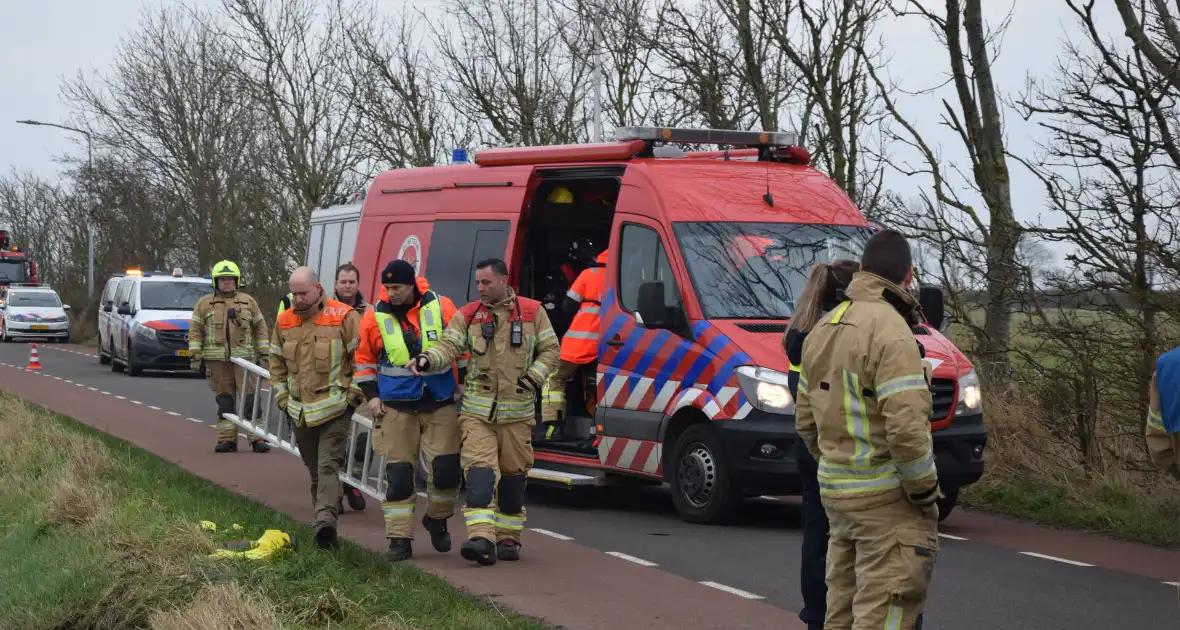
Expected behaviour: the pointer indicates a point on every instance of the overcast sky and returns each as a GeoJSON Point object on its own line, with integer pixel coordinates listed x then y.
{"type": "Point", "coordinates": [42, 41]}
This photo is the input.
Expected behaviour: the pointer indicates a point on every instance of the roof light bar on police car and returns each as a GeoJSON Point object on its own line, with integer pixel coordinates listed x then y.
{"type": "Point", "coordinates": [708, 136]}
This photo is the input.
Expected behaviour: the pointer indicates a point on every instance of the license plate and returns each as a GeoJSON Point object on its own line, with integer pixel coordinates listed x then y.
{"type": "Point", "coordinates": [182, 353]}
{"type": "Point", "coordinates": [39, 327]}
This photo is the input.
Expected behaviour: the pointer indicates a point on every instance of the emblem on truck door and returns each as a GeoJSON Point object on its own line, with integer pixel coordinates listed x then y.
{"type": "Point", "coordinates": [410, 252]}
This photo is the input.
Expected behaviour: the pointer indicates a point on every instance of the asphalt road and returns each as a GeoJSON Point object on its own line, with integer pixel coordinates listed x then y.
{"type": "Point", "coordinates": [977, 586]}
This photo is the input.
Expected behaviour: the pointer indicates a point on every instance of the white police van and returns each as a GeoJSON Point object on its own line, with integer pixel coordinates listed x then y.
{"type": "Point", "coordinates": [32, 312]}
{"type": "Point", "coordinates": [150, 314]}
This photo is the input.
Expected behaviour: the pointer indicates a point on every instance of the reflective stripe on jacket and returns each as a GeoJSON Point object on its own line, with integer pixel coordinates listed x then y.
{"type": "Point", "coordinates": [502, 380]}
{"type": "Point", "coordinates": [385, 348]}
{"type": "Point", "coordinates": [216, 336]}
{"type": "Point", "coordinates": [580, 343]}
{"type": "Point", "coordinates": [311, 369]}
{"type": "Point", "coordinates": [1163, 437]}
{"type": "Point", "coordinates": [864, 404]}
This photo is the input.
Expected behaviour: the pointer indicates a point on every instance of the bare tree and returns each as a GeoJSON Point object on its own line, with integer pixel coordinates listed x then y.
{"type": "Point", "coordinates": [173, 106]}
{"type": "Point", "coordinates": [702, 74]}
{"type": "Point", "coordinates": [827, 44]}
{"type": "Point", "coordinates": [402, 115]}
{"type": "Point", "coordinates": [986, 244]}
{"type": "Point", "coordinates": [29, 209]}
{"type": "Point", "coordinates": [515, 74]}
{"type": "Point", "coordinates": [621, 36]}
{"type": "Point", "coordinates": [1108, 173]}
{"type": "Point", "coordinates": [295, 61]}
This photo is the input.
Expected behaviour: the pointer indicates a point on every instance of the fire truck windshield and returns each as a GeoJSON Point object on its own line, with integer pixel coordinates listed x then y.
{"type": "Point", "coordinates": [13, 271]}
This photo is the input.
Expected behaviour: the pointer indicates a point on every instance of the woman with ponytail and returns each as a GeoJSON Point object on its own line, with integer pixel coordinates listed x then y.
{"type": "Point", "coordinates": [823, 291]}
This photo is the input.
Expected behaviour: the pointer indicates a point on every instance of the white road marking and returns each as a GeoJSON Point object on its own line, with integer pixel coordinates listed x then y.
{"type": "Point", "coordinates": [121, 397]}
{"type": "Point", "coordinates": [173, 413]}
{"type": "Point", "coordinates": [153, 407]}
{"type": "Point", "coordinates": [1056, 559]}
{"type": "Point", "coordinates": [1176, 584]}
{"type": "Point", "coordinates": [639, 561]}
{"type": "Point", "coordinates": [69, 381]}
{"type": "Point", "coordinates": [550, 534]}
{"type": "Point", "coordinates": [950, 536]}
{"type": "Point", "coordinates": [735, 591]}
{"type": "Point", "coordinates": [194, 420]}
{"type": "Point", "coordinates": [93, 389]}
{"type": "Point", "coordinates": [107, 393]}
{"type": "Point", "coordinates": [57, 377]}
{"type": "Point", "coordinates": [136, 402]}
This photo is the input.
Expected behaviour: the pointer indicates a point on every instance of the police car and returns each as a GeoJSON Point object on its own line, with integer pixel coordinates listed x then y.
{"type": "Point", "coordinates": [34, 311]}
{"type": "Point", "coordinates": [149, 327]}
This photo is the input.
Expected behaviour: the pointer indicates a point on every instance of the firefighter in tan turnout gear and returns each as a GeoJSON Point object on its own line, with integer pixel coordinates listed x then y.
{"type": "Point", "coordinates": [863, 412]}
{"type": "Point", "coordinates": [513, 351]}
{"type": "Point", "coordinates": [227, 324]}
{"type": "Point", "coordinates": [311, 377]}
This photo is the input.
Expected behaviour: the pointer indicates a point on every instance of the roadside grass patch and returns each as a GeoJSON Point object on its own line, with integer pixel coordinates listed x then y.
{"type": "Point", "coordinates": [96, 533]}
{"type": "Point", "coordinates": [1030, 474]}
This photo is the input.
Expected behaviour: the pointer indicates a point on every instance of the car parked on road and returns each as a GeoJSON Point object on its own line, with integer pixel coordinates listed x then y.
{"type": "Point", "coordinates": [148, 327]}
{"type": "Point", "coordinates": [34, 312]}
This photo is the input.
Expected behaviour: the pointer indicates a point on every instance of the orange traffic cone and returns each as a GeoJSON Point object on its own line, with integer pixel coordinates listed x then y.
{"type": "Point", "coordinates": [34, 362]}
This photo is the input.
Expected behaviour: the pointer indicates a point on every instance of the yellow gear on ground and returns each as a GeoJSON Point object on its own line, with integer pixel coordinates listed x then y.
{"type": "Point", "coordinates": [268, 545]}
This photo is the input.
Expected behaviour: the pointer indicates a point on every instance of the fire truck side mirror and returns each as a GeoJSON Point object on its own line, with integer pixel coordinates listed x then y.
{"type": "Point", "coordinates": [124, 309]}
{"type": "Point", "coordinates": [931, 299]}
{"type": "Point", "coordinates": [109, 306]}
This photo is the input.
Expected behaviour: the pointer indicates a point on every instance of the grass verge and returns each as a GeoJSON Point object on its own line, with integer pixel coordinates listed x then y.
{"type": "Point", "coordinates": [96, 533]}
{"type": "Point", "coordinates": [1031, 475]}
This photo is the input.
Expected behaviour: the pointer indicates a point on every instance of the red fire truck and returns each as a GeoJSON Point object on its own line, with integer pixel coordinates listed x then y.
{"type": "Point", "coordinates": [15, 265]}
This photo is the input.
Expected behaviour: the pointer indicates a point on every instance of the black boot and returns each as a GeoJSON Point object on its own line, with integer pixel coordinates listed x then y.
{"type": "Point", "coordinates": [399, 549]}
{"type": "Point", "coordinates": [356, 500]}
{"type": "Point", "coordinates": [508, 550]}
{"type": "Point", "coordinates": [479, 550]}
{"type": "Point", "coordinates": [440, 538]}
{"type": "Point", "coordinates": [325, 536]}
{"type": "Point", "coordinates": [226, 446]}
{"type": "Point", "coordinates": [260, 446]}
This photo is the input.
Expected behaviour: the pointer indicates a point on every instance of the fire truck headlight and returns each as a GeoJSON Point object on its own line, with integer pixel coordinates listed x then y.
{"type": "Point", "coordinates": [766, 389]}
{"type": "Point", "coordinates": [970, 394]}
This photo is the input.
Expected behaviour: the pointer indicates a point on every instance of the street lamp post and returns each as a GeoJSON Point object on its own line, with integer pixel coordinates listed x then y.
{"type": "Point", "coordinates": [89, 194]}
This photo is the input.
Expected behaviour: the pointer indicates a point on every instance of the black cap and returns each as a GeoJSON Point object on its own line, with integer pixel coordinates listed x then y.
{"type": "Point", "coordinates": [399, 272]}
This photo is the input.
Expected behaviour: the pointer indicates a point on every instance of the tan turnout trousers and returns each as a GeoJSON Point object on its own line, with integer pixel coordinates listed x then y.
{"type": "Point", "coordinates": [507, 449]}
{"type": "Point", "coordinates": [401, 436]}
{"type": "Point", "coordinates": [880, 561]}
{"type": "Point", "coordinates": [225, 379]}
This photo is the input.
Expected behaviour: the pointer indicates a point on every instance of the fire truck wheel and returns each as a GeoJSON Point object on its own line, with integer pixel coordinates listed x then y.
{"type": "Point", "coordinates": [701, 487]}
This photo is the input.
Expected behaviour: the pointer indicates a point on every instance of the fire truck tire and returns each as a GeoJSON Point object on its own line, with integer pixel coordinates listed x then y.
{"type": "Point", "coordinates": [702, 490]}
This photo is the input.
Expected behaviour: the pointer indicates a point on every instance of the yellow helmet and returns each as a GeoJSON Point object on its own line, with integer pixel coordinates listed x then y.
{"type": "Point", "coordinates": [561, 194]}
{"type": "Point", "coordinates": [226, 268]}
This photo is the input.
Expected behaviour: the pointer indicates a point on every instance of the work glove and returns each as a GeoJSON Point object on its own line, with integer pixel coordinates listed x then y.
{"type": "Point", "coordinates": [195, 363]}
{"type": "Point", "coordinates": [526, 382]}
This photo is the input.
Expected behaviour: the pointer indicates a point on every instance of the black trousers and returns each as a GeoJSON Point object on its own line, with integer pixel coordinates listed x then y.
{"type": "Point", "coordinates": [814, 563]}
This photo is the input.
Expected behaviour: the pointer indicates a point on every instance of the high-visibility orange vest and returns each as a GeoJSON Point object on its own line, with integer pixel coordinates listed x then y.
{"type": "Point", "coordinates": [580, 343]}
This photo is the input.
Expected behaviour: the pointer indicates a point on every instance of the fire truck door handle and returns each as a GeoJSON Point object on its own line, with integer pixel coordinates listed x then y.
{"type": "Point", "coordinates": [615, 341]}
